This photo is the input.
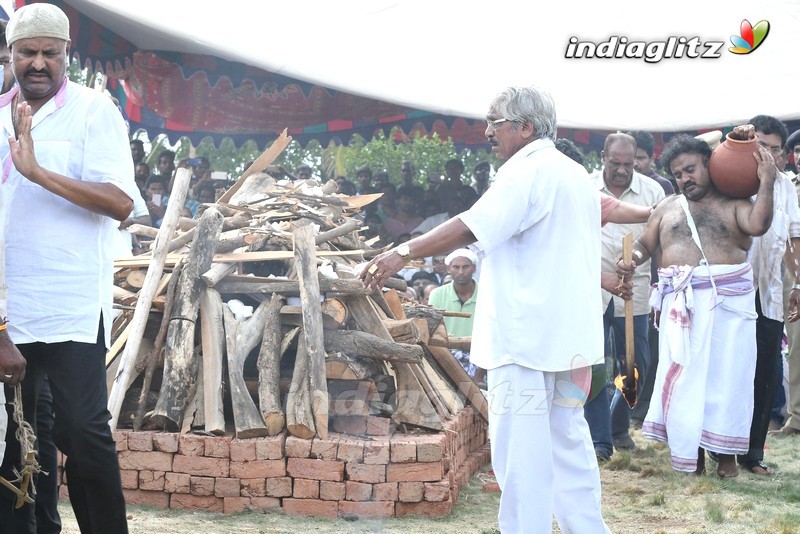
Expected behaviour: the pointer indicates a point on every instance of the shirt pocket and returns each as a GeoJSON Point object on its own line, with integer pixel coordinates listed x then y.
{"type": "Point", "coordinates": [53, 155]}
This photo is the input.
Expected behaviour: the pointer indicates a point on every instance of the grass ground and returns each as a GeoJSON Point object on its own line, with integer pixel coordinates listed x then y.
{"type": "Point", "coordinates": [641, 494]}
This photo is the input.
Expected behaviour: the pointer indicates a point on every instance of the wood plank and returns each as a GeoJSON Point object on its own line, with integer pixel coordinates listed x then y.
{"type": "Point", "coordinates": [212, 331]}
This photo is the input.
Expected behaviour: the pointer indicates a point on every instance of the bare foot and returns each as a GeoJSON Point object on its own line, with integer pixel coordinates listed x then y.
{"type": "Point", "coordinates": [727, 466]}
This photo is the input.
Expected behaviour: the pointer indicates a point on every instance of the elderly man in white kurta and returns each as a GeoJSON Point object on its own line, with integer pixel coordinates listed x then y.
{"type": "Point", "coordinates": [537, 230]}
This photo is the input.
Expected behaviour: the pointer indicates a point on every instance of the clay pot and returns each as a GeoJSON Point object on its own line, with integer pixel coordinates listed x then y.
{"type": "Point", "coordinates": [733, 169]}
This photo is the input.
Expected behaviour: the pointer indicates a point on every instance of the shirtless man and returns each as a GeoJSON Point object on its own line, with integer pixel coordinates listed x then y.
{"type": "Point", "coordinates": [707, 326]}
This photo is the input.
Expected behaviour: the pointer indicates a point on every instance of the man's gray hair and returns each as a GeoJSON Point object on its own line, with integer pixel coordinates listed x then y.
{"type": "Point", "coordinates": [529, 104]}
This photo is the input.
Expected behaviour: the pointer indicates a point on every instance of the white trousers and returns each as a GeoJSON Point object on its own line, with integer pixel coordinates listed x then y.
{"type": "Point", "coordinates": [542, 454]}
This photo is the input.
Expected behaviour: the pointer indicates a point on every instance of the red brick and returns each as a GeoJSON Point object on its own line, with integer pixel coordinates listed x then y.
{"type": "Point", "coordinates": [315, 469]}
{"type": "Point", "coordinates": [403, 450]}
{"type": "Point", "coordinates": [332, 491]}
{"type": "Point", "coordinates": [140, 441]}
{"type": "Point", "coordinates": [235, 504]}
{"type": "Point", "coordinates": [357, 491]}
{"type": "Point", "coordinates": [243, 450]}
{"type": "Point", "coordinates": [156, 461]}
{"type": "Point", "coordinates": [437, 491]}
{"type": "Point", "coordinates": [151, 480]}
{"type": "Point", "coordinates": [130, 478]}
{"type": "Point", "coordinates": [424, 508]}
{"type": "Point", "coordinates": [120, 440]}
{"type": "Point", "coordinates": [366, 509]}
{"type": "Point", "coordinates": [325, 449]}
{"type": "Point", "coordinates": [265, 504]}
{"type": "Point", "coordinates": [227, 487]}
{"type": "Point", "coordinates": [411, 491]}
{"type": "Point", "coordinates": [388, 491]}
{"type": "Point", "coordinates": [180, 501]}
{"type": "Point", "coordinates": [270, 448]}
{"type": "Point", "coordinates": [279, 487]}
{"type": "Point", "coordinates": [305, 489]}
{"type": "Point", "coordinates": [373, 474]}
{"type": "Point", "coordinates": [430, 448]}
{"type": "Point", "coordinates": [177, 483]}
{"type": "Point", "coordinates": [191, 445]}
{"type": "Point", "coordinates": [313, 507]}
{"type": "Point", "coordinates": [165, 442]}
{"type": "Point", "coordinates": [416, 472]}
{"type": "Point", "coordinates": [258, 469]}
{"type": "Point", "coordinates": [217, 447]}
{"type": "Point", "coordinates": [297, 447]}
{"type": "Point", "coordinates": [378, 426]}
{"type": "Point", "coordinates": [156, 499]}
{"type": "Point", "coordinates": [200, 466]}
{"type": "Point", "coordinates": [377, 451]}
{"type": "Point", "coordinates": [350, 450]}
{"type": "Point", "coordinates": [202, 486]}
{"type": "Point", "coordinates": [254, 487]}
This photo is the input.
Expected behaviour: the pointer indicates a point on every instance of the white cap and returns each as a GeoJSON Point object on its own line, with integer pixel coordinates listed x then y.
{"type": "Point", "coordinates": [461, 253]}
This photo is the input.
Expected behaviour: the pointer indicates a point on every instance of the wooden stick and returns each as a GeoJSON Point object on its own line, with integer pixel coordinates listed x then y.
{"type": "Point", "coordinates": [212, 330]}
{"type": "Point", "coordinates": [299, 414]}
{"type": "Point", "coordinates": [630, 381]}
{"type": "Point", "coordinates": [255, 284]}
{"type": "Point", "coordinates": [461, 379]}
{"type": "Point", "coordinates": [371, 346]}
{"type": "Point", "coordinates": [155, 269]}
{"type": "Point", "coordinates": [261, 162]}
{"type": "Point", "coordinates": [180, 364]}
{"type": "Point", "coordinates": [269, 372]}
{"type": "Point", "coordinates": [308, 277]}
{"type": "Point", "coordinates": [232, 257]}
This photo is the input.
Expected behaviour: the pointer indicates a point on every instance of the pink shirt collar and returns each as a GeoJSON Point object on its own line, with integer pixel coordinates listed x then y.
{"type": "Point", "coordinates": [60, 97]}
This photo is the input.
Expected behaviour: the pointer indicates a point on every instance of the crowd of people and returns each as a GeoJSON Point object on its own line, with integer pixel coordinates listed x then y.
{"type": "Point", "coordinates": [714, 283]}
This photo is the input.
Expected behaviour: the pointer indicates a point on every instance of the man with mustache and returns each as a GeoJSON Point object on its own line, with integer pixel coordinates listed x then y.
{"type": "Point", "coordinates": [609, 423]}
{"type": "Point", "coordinates": [68, 182]}
{"type": "Point", "coordinates": [707, 337]}
{"type": "Point", "coordinates": [537, 329]}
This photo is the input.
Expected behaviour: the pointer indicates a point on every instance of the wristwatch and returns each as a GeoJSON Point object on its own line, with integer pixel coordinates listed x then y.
{"type": "Point", "coordinates": [404, 252]}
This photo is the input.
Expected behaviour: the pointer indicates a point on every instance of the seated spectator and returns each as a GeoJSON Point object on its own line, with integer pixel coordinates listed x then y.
{"type": "Point", "coordinates": [387, 204]}
{"type": "Point", "coordinates": [207, 193]}
{"type": "Point", "coordinates": [426, 293]}
{"type": "Point", "coordinates": [346, 187]}
{"type": "Point", "coordinates": [380, 179]}
{"type": "Point", "coordinates": [137, 151]}
{"type": "Point", "coordinates": [303, 172]}
{"type": "Point", "coordinates": [156, 200]}
{"type": "Point", "coordinates": [141, 172]}
{"type": "Point", "coordinates": [166, 164]}
{"type": "Point", "coordinates": [480, 177]}
{"type": "Point", "coordinates": [420, 278]}
{"type": "Point", "coordinates": [364, 179]}
{"type": "Point", "coordinates": [405, 219]}
{"type": "Point", "coordinates": [454, 207]}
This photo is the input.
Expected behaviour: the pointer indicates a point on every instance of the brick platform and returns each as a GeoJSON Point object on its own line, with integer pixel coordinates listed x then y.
{"type": "Point", "coordinates": [343, 475]}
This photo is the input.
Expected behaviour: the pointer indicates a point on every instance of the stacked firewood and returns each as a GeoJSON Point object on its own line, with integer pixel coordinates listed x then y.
{"type": "Point", "coordinates": [252, 319]}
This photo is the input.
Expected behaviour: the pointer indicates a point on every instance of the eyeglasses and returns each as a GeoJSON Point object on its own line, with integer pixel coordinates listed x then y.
{"type": "Point", "coordinates": [495, 124]}
{"type": "Point", "coordinates": [776, 150]}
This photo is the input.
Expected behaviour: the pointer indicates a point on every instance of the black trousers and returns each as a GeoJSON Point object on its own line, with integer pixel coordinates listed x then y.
{"type": "Point", "coordinates": [768, 355]}
{"type": "Point", "coordinates": [77, 377]}
{"type": "Point", "coordinates": [47, 519]}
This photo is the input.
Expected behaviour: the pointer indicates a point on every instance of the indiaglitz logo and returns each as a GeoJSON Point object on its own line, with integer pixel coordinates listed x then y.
{"type": "Point", "coordinates": [750, 37]}
{"type": "Point", "coordinates": [671, 47]}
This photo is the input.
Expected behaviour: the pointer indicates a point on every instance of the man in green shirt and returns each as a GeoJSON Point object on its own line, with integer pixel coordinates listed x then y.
{"type": "Point", "coordinates": [459, 295]}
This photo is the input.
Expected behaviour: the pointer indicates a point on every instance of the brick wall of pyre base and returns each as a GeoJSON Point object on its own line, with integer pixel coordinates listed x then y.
{"type": "Point", "coordinates": [417, 473]}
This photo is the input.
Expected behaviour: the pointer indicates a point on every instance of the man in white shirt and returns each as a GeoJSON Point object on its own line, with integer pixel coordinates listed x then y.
{"type": "Point", "coordinates": [537, 345]}
{"type": "Point", "coordinates": [68, 182]}
{"type": "Point", "coordinates": [766, 256]}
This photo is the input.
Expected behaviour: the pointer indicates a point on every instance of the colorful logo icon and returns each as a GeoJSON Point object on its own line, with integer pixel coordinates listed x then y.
{"type": "Point", "coordinates": [751, 37]}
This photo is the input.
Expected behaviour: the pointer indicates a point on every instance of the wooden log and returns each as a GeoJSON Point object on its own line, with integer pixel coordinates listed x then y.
{"type": "Point", "coordinates": [180, 364]}
{"type": "Point", "coordinates": [393, 301]}
{"type": "Point", "coordinates": [438, 337]}
{"type": "Point", "coordinates": [299, 413]}
{"type": "Point", "coordinates": [262, 285]}
{"type": "Point", "coordinates": [154, 355]}
{"type": "Point", "coordinates": [349, 367]}
{"type": "Point", "coordinates": [308, 277]}
{"type": "Point", "coordinates": [446, 390]}
{"type": "Point", "coordinates": [124, 296]}
{"type": "Point", "coordinates": [241, 338]}
{"type": "Point", "coordinates": [232, 257]}
{"type": "Point", "coordinates": [211, 331]}
{"type": "Point", "coordinates": [412, 404]}
{"type": "Point", "coordinates": [371, 346]}
{"type": "Point", "coordinates": [344, 229]}
{"type": "Point", "coordinates": [217, 272]}
{"type": "Point", "coordinates": [336, 310]}
{"type": "Point", "coordinates": [135, 279]}
{"type": "Point", "coordinates": [404, 330]}
{"type": "Point", "coordinates": [155, 267]}
{"type": "Point", "coordinates": [269, 372]}
{"type": "Point", "coordinates": [459, 342]}
{"type": "Point", "coordinates": [143, 230]}
{"type": "Point", "coordinates": [461, 379]}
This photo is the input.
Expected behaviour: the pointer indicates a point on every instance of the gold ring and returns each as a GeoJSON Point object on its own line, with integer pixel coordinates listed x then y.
{"type": "Point", "coordinates": [373, 269]}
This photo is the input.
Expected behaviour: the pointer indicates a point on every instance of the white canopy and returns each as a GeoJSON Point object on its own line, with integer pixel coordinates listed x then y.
{"type": "Point", "coordinates": [451, 57]}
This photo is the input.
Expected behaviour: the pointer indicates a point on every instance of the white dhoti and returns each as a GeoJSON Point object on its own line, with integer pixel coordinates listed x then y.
{"type": "Point", "coordinates": [542, 453]}
{"type": "Point", "coordinates": [703, 392]}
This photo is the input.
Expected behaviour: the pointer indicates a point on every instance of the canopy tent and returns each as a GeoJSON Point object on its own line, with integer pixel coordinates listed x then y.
{"type": "Point", "coordinates": [247, 69]}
